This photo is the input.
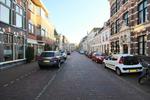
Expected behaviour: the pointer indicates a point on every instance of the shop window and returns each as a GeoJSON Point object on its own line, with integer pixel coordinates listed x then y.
{"type": "Point", "coordinates": [19, 47]}
{"type": "Point", "coordinates": [8, 47]}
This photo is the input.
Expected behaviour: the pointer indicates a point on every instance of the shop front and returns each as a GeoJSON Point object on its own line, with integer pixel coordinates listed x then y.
{"type": "Point", "coordinates": [12, 45]}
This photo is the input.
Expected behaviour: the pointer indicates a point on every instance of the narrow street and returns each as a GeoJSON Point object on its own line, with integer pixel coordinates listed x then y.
{"type": "Point", "coordinates": [79, 78]}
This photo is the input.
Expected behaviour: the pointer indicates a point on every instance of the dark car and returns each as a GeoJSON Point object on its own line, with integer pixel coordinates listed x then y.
{"type": "Point", "coordinates": [98, 57]}
{"type": "Point", "coordinates": [50, 58]}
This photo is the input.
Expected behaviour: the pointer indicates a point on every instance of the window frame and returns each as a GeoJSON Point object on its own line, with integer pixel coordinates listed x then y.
{"type": "Point", "coordinates": [142, 12]}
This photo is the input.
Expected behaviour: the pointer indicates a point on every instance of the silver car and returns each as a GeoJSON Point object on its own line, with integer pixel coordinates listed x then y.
{"type": "Point", "coordinates": [50, 58]}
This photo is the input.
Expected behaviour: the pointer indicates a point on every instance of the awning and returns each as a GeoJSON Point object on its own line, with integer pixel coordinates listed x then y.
{"type": "Point", "coordinates": [32, 41]}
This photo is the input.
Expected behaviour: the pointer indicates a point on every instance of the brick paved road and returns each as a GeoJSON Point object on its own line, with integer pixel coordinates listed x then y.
{"type": "Point", "coordinates": [78, 79]}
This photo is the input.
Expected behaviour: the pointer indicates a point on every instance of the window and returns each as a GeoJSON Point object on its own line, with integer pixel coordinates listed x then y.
{"type": "Point", "coordinates": [124, 1]}
{"type": "Point", "coordinates": [6, 2]}
{"type": "Point", "coordinates": [142, 45]}
{"type": "Point", "coordinates": [42, 32]}
{"type": "Point", "coordinates": [18, 17]}
{"type": "Point", "coordinates": [112, 28]}
{"type": "Point", "coordinates": [4, 17]}
{"type": "Point", "coordinates": [112, 47]}
{"type": "Point", "coordinates": [30, 6]}
{"type": "Point", "coordinates": [115, 7]}
{"type": "Point", "coordinates": [8, 47]}
{"type": "Point", "coordinates": [117, 47]}
{"type": "Point", "coordinates": [118, 5]}
{"type": "Point", "coordinates": [117, 26]}
{"type": "Point", "coordinates": [31, 28]}
{"type": "Point", "coordinates": [19, 21]}
{"type": "Point", "coordinates": [125, 18]}
{"type": "Point", "coordinates": [19, 47]}
{"type": "Point", "coordinates": [142, 12]}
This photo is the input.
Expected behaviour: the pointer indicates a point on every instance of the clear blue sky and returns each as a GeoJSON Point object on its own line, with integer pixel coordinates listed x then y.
{"type": "Point", "coordinates": [74, 18]}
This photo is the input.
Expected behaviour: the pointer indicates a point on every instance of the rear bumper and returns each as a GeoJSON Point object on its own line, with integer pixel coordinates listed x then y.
{"type": "Point", "coordinates": [47, 64]}
{"type": "Point", "coordinates": [132, 70]}
{"type": "Point", "coordinates": [99, 60]}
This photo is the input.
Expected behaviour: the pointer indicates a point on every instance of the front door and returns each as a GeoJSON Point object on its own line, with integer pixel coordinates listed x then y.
{"type": "Point", "coordinates": [125, 48]}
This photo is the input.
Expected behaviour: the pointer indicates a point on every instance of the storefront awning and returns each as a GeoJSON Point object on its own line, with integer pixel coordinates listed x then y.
{"type": "Point", "coordinates": [31, 41]}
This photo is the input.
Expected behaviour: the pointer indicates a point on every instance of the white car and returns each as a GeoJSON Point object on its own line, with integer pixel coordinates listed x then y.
{"type": "Point", "coordinates": [123, 63]}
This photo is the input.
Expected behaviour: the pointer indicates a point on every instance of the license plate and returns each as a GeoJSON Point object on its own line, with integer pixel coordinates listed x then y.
{"type": "Point", "coordinates": [133, 70]}
{"type": "Point", "coordinates": [46, 61]}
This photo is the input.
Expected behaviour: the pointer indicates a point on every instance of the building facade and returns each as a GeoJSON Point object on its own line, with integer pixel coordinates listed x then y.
{"type": "Point", "coordinates": [13, 26]}
{"type": "Point", "coordinates": [130, 26]}
{"type": "Point", "coordinates": [40, 29]}
{"type": "Point", "coordinates": [63, 43]}
{"type": "Point", "coordinates": [140, 22]}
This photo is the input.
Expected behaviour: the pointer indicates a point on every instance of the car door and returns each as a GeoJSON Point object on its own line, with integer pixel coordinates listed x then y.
{"type": "Point", "coordinates": [114, 62]}
{"type": "Point", "coordinates": [108, 61]}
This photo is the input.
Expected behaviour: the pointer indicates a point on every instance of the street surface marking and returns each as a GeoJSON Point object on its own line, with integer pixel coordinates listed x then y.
{"type": "Point", "coordinates": [46, 86]}
{"type": "Point", "coordinates": [17, 79]}
{"type": "Point", "coordinates": [21, 77]}
{"type": "Point", "coordinates": [11, 82]}
{"type": "Point", "coordinates": [5, 85]}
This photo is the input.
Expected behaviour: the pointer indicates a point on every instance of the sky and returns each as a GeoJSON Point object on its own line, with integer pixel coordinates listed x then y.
{"type": "Point", "coordinates": [75, 18]}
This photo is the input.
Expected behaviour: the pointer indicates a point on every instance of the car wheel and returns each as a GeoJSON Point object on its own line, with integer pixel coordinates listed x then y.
{"type": "Point", "coordinates": [41, 67]}
{"type": "Point", "coordinates": [141, 80]}
{"type": "Point", "coordinates": [118, 72]}
{"type": "Point", "coordinates": [58, 65]}
{"type": "Point", "coordinates": [105, 65]}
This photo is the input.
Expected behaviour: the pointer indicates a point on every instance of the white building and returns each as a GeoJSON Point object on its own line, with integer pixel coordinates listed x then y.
{"type": "Point", "coordinates": [100, 42]}
{"type": "Point", "coordinates": [91, 39]}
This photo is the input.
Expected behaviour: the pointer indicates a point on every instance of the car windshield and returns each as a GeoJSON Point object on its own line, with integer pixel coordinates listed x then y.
{"type": "Point", "coordinates": [130, 60]}
{"type": "Point", "coordinates": [98, 54]}
{"type": "Point", "coordinates": [47, 54]}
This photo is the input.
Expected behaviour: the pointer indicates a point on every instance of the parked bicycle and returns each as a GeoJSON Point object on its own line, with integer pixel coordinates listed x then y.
{"type": "Point", "coordinates": [145, 75]}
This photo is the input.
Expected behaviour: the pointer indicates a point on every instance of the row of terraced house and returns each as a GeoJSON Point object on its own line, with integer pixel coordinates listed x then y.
{"type": "Point", "coordinates": [127, 30]}
{"type": "Point", "coordinates": [24, 23]}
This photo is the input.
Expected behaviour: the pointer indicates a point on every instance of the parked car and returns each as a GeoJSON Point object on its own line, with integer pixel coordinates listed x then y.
{"type": "Point", "coordinates": [90, 55]}
{"type": "Point", "coordinates": [50, 58]}
{"type": "Point", "coordinates": [81, 52]}
{"type": "Point", "coordinates": [98, 57]}
{"type": "Point", "coordinates": [123, 63]}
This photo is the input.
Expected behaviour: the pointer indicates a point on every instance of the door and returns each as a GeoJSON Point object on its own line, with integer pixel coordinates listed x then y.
{"type": "Point", "coordinates": [125, 48]}
{"type": "Point", "coordinates": [114, 62]}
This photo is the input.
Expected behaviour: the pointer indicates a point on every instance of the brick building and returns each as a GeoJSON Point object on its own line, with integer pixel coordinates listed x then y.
{"type": "Point", "coordinates": [130, 26]}
{"type": "Point", "coordinates": [12, 31]}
